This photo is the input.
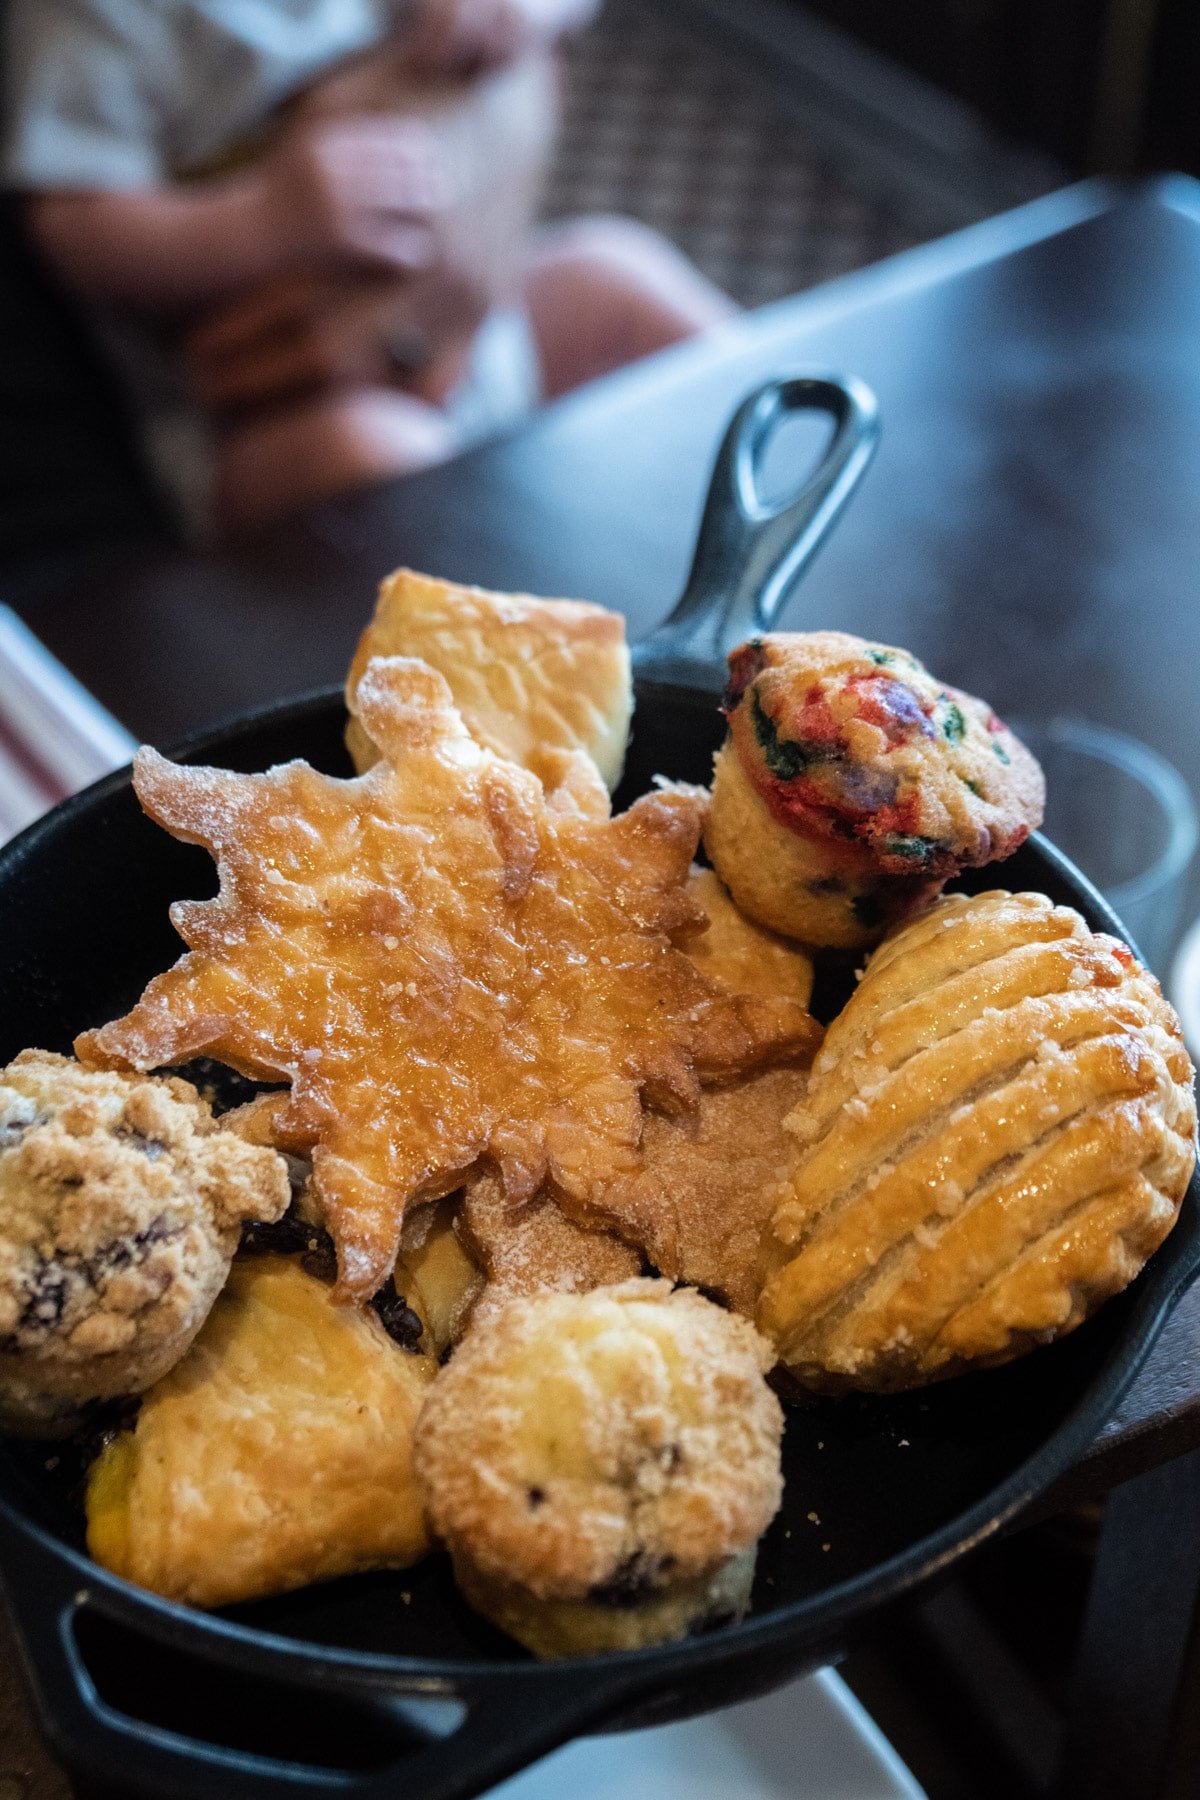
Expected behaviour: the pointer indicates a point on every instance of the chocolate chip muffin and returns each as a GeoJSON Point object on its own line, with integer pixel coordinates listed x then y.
{"type": "Point", "coordinates": [121, 1204]}
{"type": "Point", "coordinates": [853, 784]}
{"type": "Point", "coordinates": [601, 1466]}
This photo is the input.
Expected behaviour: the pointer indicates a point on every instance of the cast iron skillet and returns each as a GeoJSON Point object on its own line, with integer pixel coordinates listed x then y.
{"type": "Point", "coordinates": [386, 1683]}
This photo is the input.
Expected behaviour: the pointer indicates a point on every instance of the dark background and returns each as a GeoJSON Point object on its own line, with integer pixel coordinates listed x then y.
{"type": "Point", "coordinates": [1103, 87]}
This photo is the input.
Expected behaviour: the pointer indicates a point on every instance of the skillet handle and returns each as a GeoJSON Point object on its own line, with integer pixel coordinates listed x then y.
{"type": "Point", "coordinates": [750, 555]}
{"type": "Point", "coordinates": [499, 1723]}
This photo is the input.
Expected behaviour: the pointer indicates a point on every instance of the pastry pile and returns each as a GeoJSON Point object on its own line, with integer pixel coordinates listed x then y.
{"type": "Point", "coordinates": [547, 1180]}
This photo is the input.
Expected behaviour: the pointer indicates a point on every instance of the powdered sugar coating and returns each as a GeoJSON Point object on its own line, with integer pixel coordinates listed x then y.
{"type": "Point", "coordinates": [532, 1247]}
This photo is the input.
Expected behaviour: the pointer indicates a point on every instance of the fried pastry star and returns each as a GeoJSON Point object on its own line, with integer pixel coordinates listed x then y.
{"type": "Point", "coordinates": [443, 968]}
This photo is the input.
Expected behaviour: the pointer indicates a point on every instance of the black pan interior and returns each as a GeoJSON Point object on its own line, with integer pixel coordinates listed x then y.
{"type": "Point", "coordinates": [83, 909]}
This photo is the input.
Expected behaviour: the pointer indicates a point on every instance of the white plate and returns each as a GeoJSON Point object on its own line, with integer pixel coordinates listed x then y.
{"type": "Point", "coordinates": [808, 1741]}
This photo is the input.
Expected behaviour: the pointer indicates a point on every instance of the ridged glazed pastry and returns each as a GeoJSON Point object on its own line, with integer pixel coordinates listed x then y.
{"type": "Point", "coordinates": [534, 680]}
{"type": "Point", "coordinates": [601, 1466]}
{"type": "Point", "coordinates": [853, 784]}
{"type": "Point", "coordinates": [278, 1453]}
{"type": "Point", "coordinates": [998, 1133]}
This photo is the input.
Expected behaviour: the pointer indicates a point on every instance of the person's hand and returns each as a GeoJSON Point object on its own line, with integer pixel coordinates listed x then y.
{"type": "Point", "coordinates": [462, 38]}
{"type": "Point", "coordinates": [288, 337]}
{"type": "Point", "coordinates": [365, 190]}
{"type": "Point", "coordinates": [307, 333]}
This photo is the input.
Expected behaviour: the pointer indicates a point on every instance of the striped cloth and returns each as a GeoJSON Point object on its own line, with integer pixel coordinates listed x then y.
{"type": "Point", "coordinates": [54, 737]}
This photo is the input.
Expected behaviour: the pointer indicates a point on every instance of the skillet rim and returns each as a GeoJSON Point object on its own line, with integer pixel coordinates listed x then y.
{"type": "Point", "coordinates": [797, 1625]}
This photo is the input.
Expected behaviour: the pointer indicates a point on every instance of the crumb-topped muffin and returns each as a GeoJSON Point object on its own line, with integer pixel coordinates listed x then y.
{"type": "Point", "coordinates": [601, 1466]}
{"type": "Point", "coordinates": [121, 1204]}
{"type": "Point", "coordinates": [853, 784]}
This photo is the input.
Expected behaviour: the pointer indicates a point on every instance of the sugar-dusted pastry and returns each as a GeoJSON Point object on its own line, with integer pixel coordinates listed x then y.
{"type": "Point", "coordinates": [532, 678]}
{"type": "Point", "coordinates": [853, 784]}
{"type": "Point", "coordinates": [121, 1204]}
{"type": "Point", "coordinates": [278, 1453]}
{"type": "Point", "coordinates": [700, 1198]}
{"type": "Point", "coordinates": [742, 955]}
{"type": "Point", "coordinates": [697, 1198]}
{"type": "Point", "coordinates": [533, 1248]}
{"type": "Point", "coordinates": [601, 1466]}
{"type": "Point", "coordinates": [999, 1131]}
{"type": "Point", "coordinates": [695, 1201]}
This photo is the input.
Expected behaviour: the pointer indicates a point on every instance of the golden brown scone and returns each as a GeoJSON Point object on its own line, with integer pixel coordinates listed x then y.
{"type": "Point", "coordinates": [277, 1454]}
{"type": "Point", "coordinates": [998, 1132]}
{"type": "Point", "coordinates": [533, 1248]}
{"type": "Point", "coordinates": [121, 1204]}
{"type": "Point", "coordinates": [741, 955]}
{"type": "Point", "coordinates": [853, 784]}
{"type": "Point", "coordinates": [532, 678]}
{"type": "Point", "coordinates": [701, 1199]}
{"type": "Point", "coordinates": [601, 1466]}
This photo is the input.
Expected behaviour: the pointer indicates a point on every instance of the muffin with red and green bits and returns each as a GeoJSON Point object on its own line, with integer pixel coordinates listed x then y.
{"type": "Point", "coordinates": [853, 784]}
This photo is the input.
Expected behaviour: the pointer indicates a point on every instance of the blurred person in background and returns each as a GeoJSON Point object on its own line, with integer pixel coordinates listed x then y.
{"type": "Point", "coordinates": [303, 231]}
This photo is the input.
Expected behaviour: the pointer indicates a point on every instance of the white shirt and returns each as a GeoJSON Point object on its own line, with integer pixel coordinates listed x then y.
{"type": "Point", "coordinates": [129, 93]}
